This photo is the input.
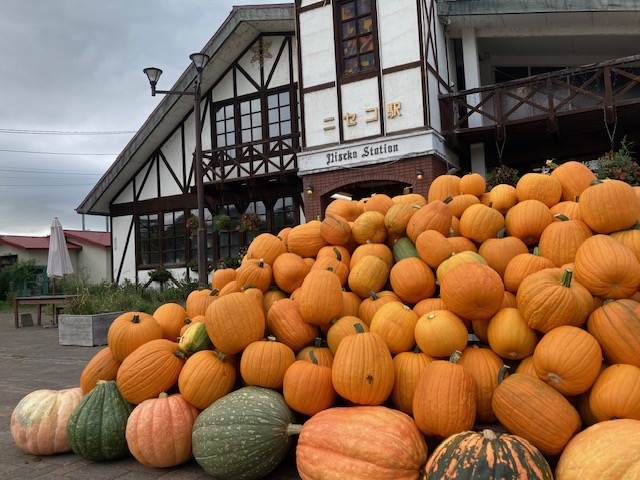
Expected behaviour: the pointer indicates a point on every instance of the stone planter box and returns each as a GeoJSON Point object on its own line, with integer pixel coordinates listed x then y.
{"type": "Point", "coordinates": [85, 330]}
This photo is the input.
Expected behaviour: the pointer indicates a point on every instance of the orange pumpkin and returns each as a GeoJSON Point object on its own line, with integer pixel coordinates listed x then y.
{"type": "Point", "coordinates": [341, 328]}
{"type": "Point", "coordinates": [574, 177]}
{"type": "Point", "coordinates": [102, 366]}
{"type": "Point", "coordinates": [484, 365]}
{"type": "Point", "coordinates": [444, 186]}
{"type": "Point", "coordinates": [461, 202]}
{"type": "Point", "coordinates": [374, 301]}
{"type": "Point", "coordinates": [362, 369]}
{"type": "Point", "coordinates": [616, 326]}
{"type": "Point", "coordinates": [369, 227]}
{"type": "Point", "coordinates": [265, 246]}
{"type": "Point", "coordinates": [347, 209]}
{"type": "Point", "coordinates": [502, 197]}
{"type": "Point", "coordinates": [472, 183]}
{"type": "Point", "coordinates": [289, 270]}
{"type": "Point", "coordinates": [398, 216]}
{"type": "Point", "coordinates": [523, 265]}
{"type": "Point", "coordinates": [412, 280]}
{"type": "Point", "coordinates": [499, 251]}
{"type": "Point", "coordinates": [158, 431]}
{"type": "Point", "coordinates": [335, 230]}
{"type": "Point", "coordinates": [322, 353]}
{"type": "Point", "coordinates": [559, 242]}
{"type": "Point", "coordinates": [539, 186]}
{"type": "Point", "coordinates": [369, 274]}
{"type": "Point", "coordinates": [444, 402]}
{"type": "Point", "coordinates": [433, 248]}
{"type": "Point", "coordinates": [436, 215]}
{"type": "Point", "coordinates": [609, 206]}
{"type": "Point", "coordinates": [221, 277]}
{"type": "Point", "coordinates": [472, 290]}
{"type": "Point", "coordinates": [171, 317]}
{"type": "Point", "coordinates": [307, 387]}
{"type": "Point", "coordinates": [407, 367]}
{"type": "Point", "coordinates": [527, 220]}
{"type": "Point", "coordinates": [440, 332]}
{"type": "Point", "coordinates": [285, 321]}
{"type": "Point", "coordinates": [395, 323]}
{"type": "Point", "coordinates": [616, 393]}
{"type": "Point", "coordinates": [320, 297]}
{"type": "Point", "coordinates": [480, 222]}
{"type": "Point", "coordinates": [306, 239]}
{"type": "Point", "coordinates": [254, 273]}
{"type": "Point", "coordinates": [569, 359]}
{"type": "Point", "coordinates": [206, 376]}
{"type": "Point", "coordinates": [129, 331]}
{"type": "Point", "coordinates": [264, 363]}
{"type": "Point", "coordinates": [152, 368]}
{"type": "Point", "coordinates": [509, 335]}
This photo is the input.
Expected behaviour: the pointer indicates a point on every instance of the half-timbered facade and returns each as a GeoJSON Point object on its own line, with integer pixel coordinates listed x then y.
{"type": "Point", "coordinates": [306, 101]}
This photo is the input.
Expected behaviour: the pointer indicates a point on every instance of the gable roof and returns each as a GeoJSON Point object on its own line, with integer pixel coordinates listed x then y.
{"type": "Point", "coordinates": [99, 239]}
{"type": "Point", "coordinates": [237, 32]}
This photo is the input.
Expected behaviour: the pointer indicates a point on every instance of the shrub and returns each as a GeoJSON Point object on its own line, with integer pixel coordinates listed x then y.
{"type": "Point", "coordinates": [13, 276]}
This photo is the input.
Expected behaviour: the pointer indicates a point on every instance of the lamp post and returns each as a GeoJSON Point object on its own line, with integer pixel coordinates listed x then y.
{"type": "Point", "coordinates": [153, 74]}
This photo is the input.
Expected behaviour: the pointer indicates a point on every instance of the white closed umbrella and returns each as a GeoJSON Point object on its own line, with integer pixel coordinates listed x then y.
{"type": "Point", "coordinates": [59, 261]}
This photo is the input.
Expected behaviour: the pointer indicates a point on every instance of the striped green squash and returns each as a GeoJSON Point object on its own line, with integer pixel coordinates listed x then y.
{"type": "Point", "coordinates": [404, 248]}
{"type": "Point", "coordinates": [487, 455]}
{"type": "Point", "coordinates": [244, 435]}
{"type": "Point", "coordinates": [97, 426]}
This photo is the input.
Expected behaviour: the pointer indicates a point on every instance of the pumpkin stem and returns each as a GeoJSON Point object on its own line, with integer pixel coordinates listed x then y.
{"type": "Point", "coordinates": [317, 342]}
{"type": "Point", "coordinates": [312, 357]}
{"type": "Point", "coordinates": [452, 171]}
{"type": "Point", "coordinates": [261, 263]}
{"type": "Point", "coordinates": [373, 295]}
{"type": "Point", "coordinates": [502, 233]}
{"type": "Point", "coordinates": [271, 338]}
{"type": "Point", "coordinates": [561, 217]}
{"type": "Point", "coordinates": [214, 292]}
{"type": "Point", "coordinates": [294, 429]}
{"type": "Point", "coordinates": [449, 199]}
{"type": "Point", "coordinates": [417, 349]}
{"type": "Point", "coordinates": [163, 395]}
{"type": "Point", "coordinates": [358, 328]}
{"type": "Point", "coordinates": [597, 181]}
{"type": "Point", "coordinates": [455, 356]}
{"type": "Point", "coordinates": [338, 254]}
{"type": "Point", "coordinates": [221, 356]}
{"type": "Point", "coordinates": [502, 373]}
{"type": "Point", "coordinates": [536, 251]}
{"type": "Point", "coordinates": [551, 164]}
{"type": "Point", "coordinates": [565, 281]}
{"type": "Point", "coordinates": [180, 353]}
{"type": "Point", "coordinates": [135, 319]}
{"type": "Point", "coordinates": [489, 434]}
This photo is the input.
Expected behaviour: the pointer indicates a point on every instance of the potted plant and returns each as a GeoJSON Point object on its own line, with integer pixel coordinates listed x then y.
{"type": "Point", "coordinates": [193, 266]}
{"type": "Point", "coordinates": [160, 275]}
{"type": "Point", "coordinates": [619, 165]}
{"type": "Point", "coordinates": [192, 223]}
{"type": "Point", "coordinates": [502, 174]}
{"type": "Point", "coordinates": [221, 222]}
{"type": "Point", "coordinates": [249, 221]}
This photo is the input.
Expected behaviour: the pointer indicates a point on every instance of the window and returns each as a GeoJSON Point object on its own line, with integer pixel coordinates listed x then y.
{"type": "Point", "coordinates": [229, 240]}
{"type": "Point", "coordinates": [225, 127]}
{"type": "Point", "coordinates": [149, 240]}
{"type": "Point", "coordinates": [173, 238]}
{"type": "Point", "coordinates": [356, 35]}
{"type": "Point", "coordinates": [279, 116]}
{"type": "Point", "coordinates": [284, 213]}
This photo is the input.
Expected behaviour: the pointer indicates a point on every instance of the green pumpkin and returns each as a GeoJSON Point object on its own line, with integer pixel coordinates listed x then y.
{"type": "Point", "coordinates": [97, 426]}
{"type": "Point", "coordinates": [195, 338]}
{"type": "Point", "coordinates": [404, 248]}
{"type": "Point", "coordinates": [244, 435]}
{"type": "Point", "coordinates": [487, 455]}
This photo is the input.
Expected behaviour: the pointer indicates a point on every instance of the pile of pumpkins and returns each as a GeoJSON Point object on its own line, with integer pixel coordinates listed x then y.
{"type": "Point", "coordinates": [468, 334]}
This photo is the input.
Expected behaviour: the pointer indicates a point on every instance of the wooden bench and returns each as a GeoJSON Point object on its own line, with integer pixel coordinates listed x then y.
{"type": "Point", "coordinates": [58, 302]}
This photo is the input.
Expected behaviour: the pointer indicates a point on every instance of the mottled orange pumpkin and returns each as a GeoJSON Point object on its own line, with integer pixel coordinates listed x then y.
{"type": "Point", "coordinates": [369, 227]}
{"type": "Point", "coordinates": [158, 431]}
{"type": "Point", "coordinates": [369, 274]}
{"type": "Point", "coordinates": [397, 217]}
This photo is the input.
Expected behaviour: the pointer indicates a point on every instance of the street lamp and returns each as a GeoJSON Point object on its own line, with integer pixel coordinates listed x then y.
{"type": "Point", "coordinates": [153, 74]}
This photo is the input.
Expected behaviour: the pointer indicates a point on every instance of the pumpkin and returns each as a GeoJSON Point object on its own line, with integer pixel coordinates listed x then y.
{"type": "Point", "coordinates": [616, 393]}
{"type": "Point", "coordinates": [341, 328]}
{"type": "Point", "coordinates": [380, 250]}
{"type": "Point", "coordinates": [527, 220]}
{"type": "Point", "coordinates": [473, 184]}
{"type": "Point", "coordinates": [499, 251]}
{"type": "Point", "coordinates": [607, 449]}
{"type": "Point", "coordinates": [521, 266]}
{"type": "Point", "coordinates": [444, 186]}
{"type": "Point", "coordinates": [97, 426]}
{"type": "Point", "coordinates": [484, 365]}
{"type": "Point", "coordinates": [440, 332]}
{"type": "Point", "coordinates": [428, 305]}
{"type": "Point", "coordinates": [171, 317]}
{"type": "Point", "coordinates": [285, 321]}
{"type": "Point", "coordinates": [321, 352]}
{"type": "Point", "coordinates": [158, 431]}
{"type": "Point", "coordinates": [379, 202]}
{"type": "Point", "coordinates": [335, 230]}
{"type": "Point", "coordinates": [530, 408]}
{"type": "Point", "coordinates": [265, 246]}
{"type": "Point", "coordinates": [456, 259]}
{"type": "Point", "coordinates": [39, 420]}
{"type": "Point", "coordinates": [350, 303]}
{"type": "Point", "coordinates": [368, 274]}
{"type": "Point", "coordinates": [254, 273]}
{"type": "Point", "coordinates": [461, 244]}
{"type": "Point", "coordinates": [472, 290]}
{"type": "Point", "coordinates": [264, 363]}
{"type": "Point", "coordinates": [607, 268]}
{"type": "Point", "coordinates": [609, 206]}
{"type": "Point", "coordinates": [395, 322]}
{"type": "Point", "coordinates": [369, 227]}
{"type": "Point", "coordinates": [509, 335]}
{"type": "Point", "coordinates": [306, 239]}
{"type": "Point", "coordinates": [480, 222]}
{"type": "Point", "coordinates": [194, 339]}
{"type": "Point", "coordinates": [397, 217]}
{"type": "Point", "coordinates": [320, 297]}
{"type": "Point", "coordinates": [307, 387]}
{"type": "Point", "coordinates": [559, 242]}
{"type": "Point", "coordinates": [461, 202]}
{"type": "Point", "coordinates": [539, 186]}
{"type": "Point", "coordinates": [412, 280]}
{"type": "Point", "coordinates": [550, 298]}
{"type": "Point", "coordinates": [444, 402]}
{"type": "Point", "coordinates": [129, 331]}
{"type": "Point", "coordinates": [334, 264]}
{"type": "Point", "coordinates": [433, 248]}
{"type": "Point", "coordinates": [234, 321]}
{"type": "Point", "coordinates": [574, 177]}
{"type": "Point", "coordinates": [347, 209]}
{"type": "Point", "coordinates": [372, 442]}
{"type": "Point", "coordinates": [570, 209]}
{"type": "Point", "coordinates": [222, 276]}
{"type": "Point", "coordinates": [487, 455]}
{"type": "Point", "coordinates": [569, 359]}
{"type": "Point", "coordinates": [502, 197]}
{"type": "Point", "coordinates": [362, 370]}
{"type": "Point", "coordinates": [198, 300]}
{"type": "Point", "coordinates": [629, 238]}
{"type": "Point", "coordinates": [289, 270]}
{"type": "Point", "coordinates": [102, 366]}
{"type": "Point", "coordinates": [206, 376]}
{"type": "Point", "coordinates": [255, 418]}
{"type": "Point", "coordinates": [407, 367]}
{"type": "Point", "coordinates": [436, 215]}
{"type": "Point", "coordinates": [152, 368]}
{"type": "Point", "coordinates": [616, 326]}
{"type": "Point", "coordinates": [525, 366]}
{"type": "Point", "coordinates": [373, 302]}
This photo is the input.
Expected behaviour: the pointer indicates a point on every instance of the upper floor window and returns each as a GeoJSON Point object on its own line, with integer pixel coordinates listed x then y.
{"type": "Point", "coordinates": [356, 35]}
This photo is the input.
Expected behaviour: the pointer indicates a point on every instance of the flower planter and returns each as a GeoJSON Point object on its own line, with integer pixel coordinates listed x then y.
{"type": "Point", "coordinates": [85, 330]}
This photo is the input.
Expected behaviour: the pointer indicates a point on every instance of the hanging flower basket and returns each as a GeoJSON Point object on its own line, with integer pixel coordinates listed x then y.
{"type": "Point", "coordinates": [221, 222]}
{"type": "Point", "coordinates": [249, 222]}
{"type": "Point", "coordinates": [160, 275]}
{"type": "Point", "coordinates": [192, 223]}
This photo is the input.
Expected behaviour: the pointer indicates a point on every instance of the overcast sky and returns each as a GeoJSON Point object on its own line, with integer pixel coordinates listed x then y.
{"type": "Point", "coordinates": [74, 66]}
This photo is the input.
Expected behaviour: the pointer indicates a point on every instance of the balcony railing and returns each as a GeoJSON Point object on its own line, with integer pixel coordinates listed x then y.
{"type": "Point", "coordinates": [604, 86]}
{"type": "Point", "coordinates": [271, 156]}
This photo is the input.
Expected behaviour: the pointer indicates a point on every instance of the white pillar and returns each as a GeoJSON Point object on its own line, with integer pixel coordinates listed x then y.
{"type": "Point", "coordinates": [471, 60]}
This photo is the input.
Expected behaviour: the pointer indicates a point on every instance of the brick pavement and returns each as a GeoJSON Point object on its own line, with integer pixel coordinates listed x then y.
{"type": "Point", "coordinates": [32, 359]}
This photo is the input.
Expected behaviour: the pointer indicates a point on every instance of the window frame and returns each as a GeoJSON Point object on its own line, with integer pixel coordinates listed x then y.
{"type": "Point", "coordinates": [340, 61]}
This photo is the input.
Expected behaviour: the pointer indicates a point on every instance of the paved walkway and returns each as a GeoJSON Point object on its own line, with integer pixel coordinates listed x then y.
{"type": "Point", "coordinates": [32, 359]}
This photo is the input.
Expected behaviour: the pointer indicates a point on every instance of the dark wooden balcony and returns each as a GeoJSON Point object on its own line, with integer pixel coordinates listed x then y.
{"type": "Point", "coordinates": [602, 100]}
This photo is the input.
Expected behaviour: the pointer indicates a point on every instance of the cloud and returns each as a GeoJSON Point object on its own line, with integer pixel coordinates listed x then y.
{"type": "Point", "coordinates": [76, 66]}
